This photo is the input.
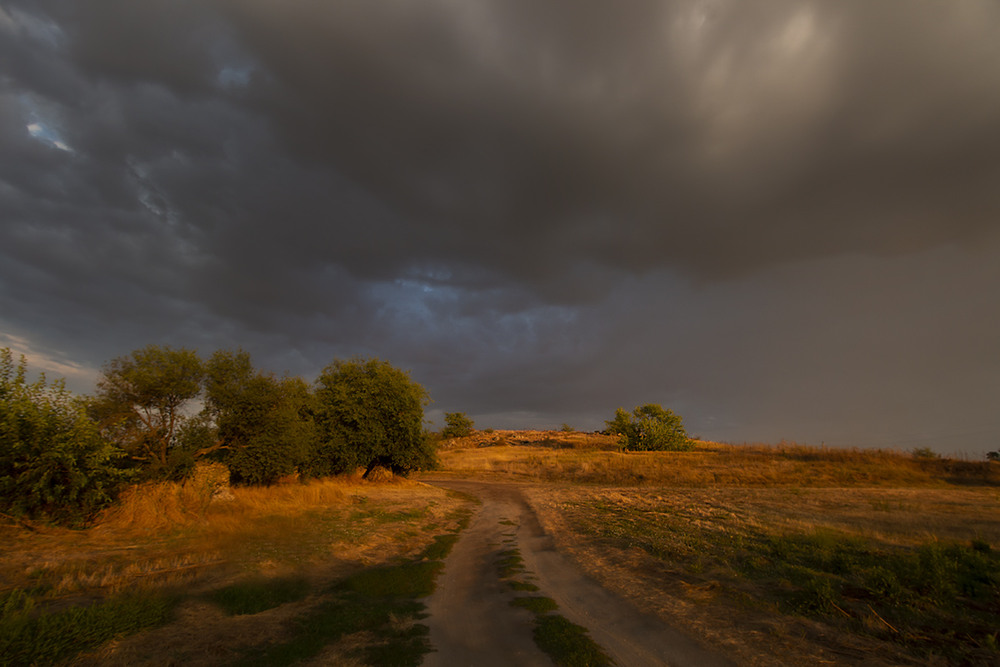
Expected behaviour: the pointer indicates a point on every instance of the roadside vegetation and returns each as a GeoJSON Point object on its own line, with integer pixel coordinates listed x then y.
{"type": "Point", "coordinates": [64, 458]}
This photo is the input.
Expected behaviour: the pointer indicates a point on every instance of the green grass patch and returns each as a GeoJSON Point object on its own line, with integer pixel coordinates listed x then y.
{"type": "Point", "coordinates": [568, 644]}
{"type": "Point", "coordinates": [383, 601]}
{"type": "Point", "coordinates": [30, 638]}
{"type": "Point", "coordinates": [522, 586]}
{"type": "Point", "coordinates": [510, 563]}
{"type": "Point", "coordinates": [346, 613]}
{"type": "Point", "coordinates": [537, 604]}
{"type": "Point", "coordinates": [259, 594]}
{"type": "Point", "coordinates": [413, 580]}
{"type": "Point", "coordinates": [934, 599]}
{"type": "Point", "coordinates": [440, 547]}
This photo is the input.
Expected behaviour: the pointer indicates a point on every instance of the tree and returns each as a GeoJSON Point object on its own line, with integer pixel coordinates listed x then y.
{"type": "Point", "coordinates": [457, 425]}
{"type": "Point", "coordinates": [264, 427]}
{"type": "Point", "coordinates": [54, 464]}
{"type": "Point", "coordinates": [370, 414]}
{"type": "Point", "coordinates": [649, 427]}
{"type": "Point", "coordinates": [141, 399]}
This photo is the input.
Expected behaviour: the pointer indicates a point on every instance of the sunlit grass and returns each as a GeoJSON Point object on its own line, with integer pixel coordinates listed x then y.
{"type": "Point", "coordinates": [919, 569]}
{"type": "Point", "coordinates": [595, 459]}
{"type": "Point", "coordinates": [269, 547]}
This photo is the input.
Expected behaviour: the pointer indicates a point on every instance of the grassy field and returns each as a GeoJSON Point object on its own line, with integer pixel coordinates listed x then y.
{"type": "Point", "coordinates": [244, 580]}
{"type": "Point", "coordinates": [776, 554]}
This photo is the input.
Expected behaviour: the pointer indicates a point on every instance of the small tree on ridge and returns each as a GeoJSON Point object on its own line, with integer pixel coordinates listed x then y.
{"type": "Point", "coordinates": [649, 427]}
{"type": "Point", "coordinates": [457, 425]}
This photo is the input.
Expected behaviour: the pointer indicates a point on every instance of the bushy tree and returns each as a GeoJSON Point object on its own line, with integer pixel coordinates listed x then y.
{"type": "Point", "coordinates": [649, 427]}
{"type": "Point", "coordinates": [264, 427]}
{"type": "Point", "coordinates": [54, 464]}
{"type": "Point", "coordinates": [141, 400]}
{"type": "Point", "coordinates": [371, 414]}
{"type": "Point", "coordinates": [457, 425]}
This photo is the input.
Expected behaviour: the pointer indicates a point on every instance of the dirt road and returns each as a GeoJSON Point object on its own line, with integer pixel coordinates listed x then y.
{"type": "Point", "coordinates": [472, 622]}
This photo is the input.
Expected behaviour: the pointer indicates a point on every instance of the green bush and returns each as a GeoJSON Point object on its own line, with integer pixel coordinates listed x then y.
{"type": "Point", "coordinates": [649, 428]}
{"type": "Point", "coordinates": [457, 425]}
{"type": "Point", "coordinates": [370, 415]}
{"type": "Point", "coordinates": [54, 464]}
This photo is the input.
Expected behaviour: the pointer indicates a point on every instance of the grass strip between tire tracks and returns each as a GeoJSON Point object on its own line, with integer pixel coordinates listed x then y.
{"type": "Point", "coordinates": [565, 642]}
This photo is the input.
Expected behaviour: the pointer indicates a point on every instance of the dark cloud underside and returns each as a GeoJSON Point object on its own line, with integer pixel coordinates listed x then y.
{"type": "Point", "coordinates": [781, 216]}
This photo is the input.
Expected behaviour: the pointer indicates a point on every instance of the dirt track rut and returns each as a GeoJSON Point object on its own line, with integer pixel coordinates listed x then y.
{"type": "Point", "coordinates": [472, 622]}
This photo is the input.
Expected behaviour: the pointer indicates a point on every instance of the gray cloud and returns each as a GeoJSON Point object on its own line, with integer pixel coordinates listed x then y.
{"type": "Point", "coordinates": [774, 216]}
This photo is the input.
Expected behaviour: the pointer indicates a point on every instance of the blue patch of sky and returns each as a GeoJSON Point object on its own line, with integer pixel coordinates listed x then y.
{"type": "Point", "coordinates": [232, 76]}
{"type": "Point", "coordinates": [47, 135]}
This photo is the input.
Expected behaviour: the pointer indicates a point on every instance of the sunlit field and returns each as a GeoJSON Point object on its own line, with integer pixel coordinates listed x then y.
{"type": "Point", "coordinates": [169, 558]}
{"type": "Point", "coordinates": [775, 555]}
{"type": "Point", "coordinates": [779, 553]}
{"type": "Point", "coordinates": [595, 459]}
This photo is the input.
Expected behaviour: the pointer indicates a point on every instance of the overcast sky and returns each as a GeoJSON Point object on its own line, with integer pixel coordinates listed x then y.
{"type": "Point", "coordinates": [779, 219]}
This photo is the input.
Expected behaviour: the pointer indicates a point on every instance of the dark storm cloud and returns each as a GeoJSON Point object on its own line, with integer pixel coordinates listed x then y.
{"type": "Point", "coordinates": [544, 209]}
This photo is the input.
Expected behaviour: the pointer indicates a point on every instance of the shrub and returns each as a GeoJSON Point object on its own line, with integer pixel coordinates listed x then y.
{"type": "Point", "coordinates": [649, 427]}
{"type": "Point", "coordinates": [457, 425]}
{"type": "Point", "coordinates": [54, 465]}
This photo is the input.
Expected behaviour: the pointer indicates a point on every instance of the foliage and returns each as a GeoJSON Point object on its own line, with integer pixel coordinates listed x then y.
{"type": "Point", "coordinates": [53, 462]}
{"type": "Point", "coordinates": [264, 425]}
{"type": "Point", "coordinates": [457, 425]}
{"type": "Point", "coordinates": [141, 399]}
{"type": "Point", "coordinates": [993, 456]}
{"type": "Point", "coordinates": [371, 414]}
{"type": "Point", "coordinates": [649, 428]}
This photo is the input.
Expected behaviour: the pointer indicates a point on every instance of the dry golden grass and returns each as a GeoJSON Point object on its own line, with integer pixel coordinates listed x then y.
{"type": "Point", "coordinates": [595, 459]}
{"type": "Point", "coordinates": [690, 535]}
{"type": "Point", "coordinates": [164, 534]}
{"type": "Point", "coordinates": [680, 553]}
{"type": "Point", "coordinates": [173, 539]}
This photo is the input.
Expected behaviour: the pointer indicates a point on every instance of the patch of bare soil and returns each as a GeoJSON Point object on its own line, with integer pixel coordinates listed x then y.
{"type": "Point", "coordinates": [472, 622]}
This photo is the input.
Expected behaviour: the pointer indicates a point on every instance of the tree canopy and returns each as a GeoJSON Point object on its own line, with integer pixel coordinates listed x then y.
{"type": "Point", "coordinates": [264, 427]}
{"type": "Point", "coordinates": [371, 414]}
{"type": "Point", "coordinates": [457, 425]}
{"type": "Point", "coordinates": [649, 427]}
{"type": "Point", "coordinates": [141, 398]}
